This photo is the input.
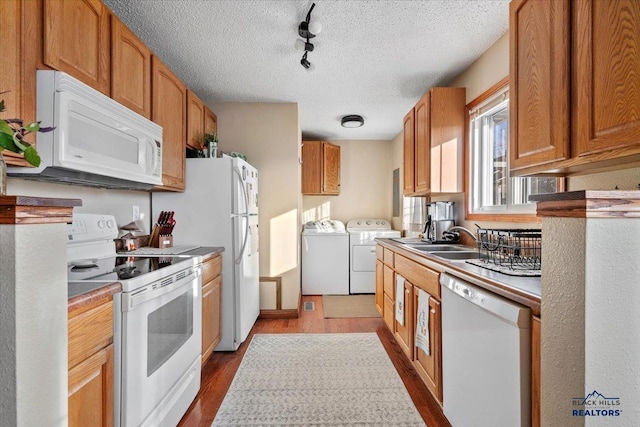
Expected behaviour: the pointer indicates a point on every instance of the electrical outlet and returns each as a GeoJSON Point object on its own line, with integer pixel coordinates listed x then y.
{"type": "Point", "coordinates": [135, 213]}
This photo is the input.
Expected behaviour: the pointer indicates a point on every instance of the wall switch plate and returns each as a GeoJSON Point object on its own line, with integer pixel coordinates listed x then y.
{"type": "Point", "coordinates": [135, 213]}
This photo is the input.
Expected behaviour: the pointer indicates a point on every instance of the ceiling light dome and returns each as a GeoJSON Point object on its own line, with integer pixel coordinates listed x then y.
{"type": "Point", "coordinates": [352, 121]}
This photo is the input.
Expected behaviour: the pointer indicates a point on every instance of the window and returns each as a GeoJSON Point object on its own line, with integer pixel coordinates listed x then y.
{"type": "Point", "coordinates": [491, 189]}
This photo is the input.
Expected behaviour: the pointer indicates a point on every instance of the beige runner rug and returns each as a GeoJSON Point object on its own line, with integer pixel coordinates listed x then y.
{"type": "Point", "coordinates": [341, 306]}
{"type": "Point", "coordinates": [317, 380]}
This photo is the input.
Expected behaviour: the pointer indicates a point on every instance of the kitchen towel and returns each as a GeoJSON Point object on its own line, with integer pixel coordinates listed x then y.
{"type": "Point", "coordinates": [422, 322]}
{"type": "Point", "coordinates": [400, 299]}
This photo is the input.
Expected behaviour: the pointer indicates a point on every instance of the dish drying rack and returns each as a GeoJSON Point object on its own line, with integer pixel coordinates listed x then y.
{"type": "Point", "coordinates": [517, 249]}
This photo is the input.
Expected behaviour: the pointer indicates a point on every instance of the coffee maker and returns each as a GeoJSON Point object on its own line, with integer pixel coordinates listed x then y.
{"type": "Point", "coordinates": [440, 218]}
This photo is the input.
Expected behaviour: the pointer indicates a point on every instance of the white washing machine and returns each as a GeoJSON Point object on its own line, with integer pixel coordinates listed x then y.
{"type": "Point", "coordinates": [362, 252]}
{"type": "Point", "coordinates": [325, 258]}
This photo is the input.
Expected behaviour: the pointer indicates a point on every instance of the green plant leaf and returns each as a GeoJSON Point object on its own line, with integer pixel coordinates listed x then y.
{"type": "Point", "coordinates": [20, 144]}
{"type": "Point", "coordinates": [31, 156]}
{"type": "Point", "coordinates": [33, 127]}
{"type": "Point", "coordinates": [6, 142]}
{"type": "Point", "coordinates": [5, 128]}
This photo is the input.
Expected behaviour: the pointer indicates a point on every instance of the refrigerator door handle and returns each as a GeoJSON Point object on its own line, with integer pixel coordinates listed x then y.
{"type": "Point", "coordinates": [238, 260]}
{"type": "Point", "coordinates": [244, 190]}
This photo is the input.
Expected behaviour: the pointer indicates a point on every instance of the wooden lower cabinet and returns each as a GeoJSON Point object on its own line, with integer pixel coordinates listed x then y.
{"type": "Point", "coordinates": [405, 331]}
{"type": "Point", "coordinates": [380, 286]}
{"type": "Point", "coordinates": [91, 391]}
{"type": "Point", "coordinates": [90, 354]}
{"type": "Point", "coordinates": [429, 366]}
{"type": "Point", "coordinates": [211, 305]}
{"type": "Point", "coordinates": [535, 371]}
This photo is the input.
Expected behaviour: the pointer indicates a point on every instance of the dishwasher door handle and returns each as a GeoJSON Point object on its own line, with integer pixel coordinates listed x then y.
{"type": "Point", "coordinates": [506, 309]}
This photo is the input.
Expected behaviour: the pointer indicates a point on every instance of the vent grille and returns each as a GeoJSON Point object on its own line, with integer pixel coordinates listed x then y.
{"type": "Point", "coordinates": [309, 306]}
{"type": "Point", "coordinates": [167, 281]}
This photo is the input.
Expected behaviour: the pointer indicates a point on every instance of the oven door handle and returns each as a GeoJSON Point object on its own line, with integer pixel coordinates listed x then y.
{"type": "Point", "coordinates": [132, 300]}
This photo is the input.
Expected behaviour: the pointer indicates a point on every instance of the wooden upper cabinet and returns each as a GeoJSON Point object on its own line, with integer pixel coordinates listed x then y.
{"type": "Point", "coordinates": [169, 110]}
{"type": "Point", "coordinates": [607, 75]}
{"type": "Point", "coordinates": [539, 82]}
{"type": "Point", "coordinates": [130, 69]}
{"type": "Point", "coordinates": [320, 168]}
{"type": "Point", "coordinates": [195, 121]}
{"type": "Point", "coordinates": [210, 121]}
{"type": "Point", "coordinates": [408, 158]}
{"type": "Point", "coordinates": [446, 123]}
{"type": "Point", "coordinates": [76, 40]}
{"type": "Point", "coordinates": [433, 149]}
{"type": "Point", "coordinates": [422, 145]}
{"type": "Point", "coordinates": [21, 30]}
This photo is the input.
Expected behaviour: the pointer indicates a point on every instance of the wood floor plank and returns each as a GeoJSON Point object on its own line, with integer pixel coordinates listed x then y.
{"type": "Point", "coordinates": [219, 370]}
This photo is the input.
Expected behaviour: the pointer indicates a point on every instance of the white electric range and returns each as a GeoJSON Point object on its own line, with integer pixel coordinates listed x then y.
{"type": "Point", "coordinates": [157, 321]}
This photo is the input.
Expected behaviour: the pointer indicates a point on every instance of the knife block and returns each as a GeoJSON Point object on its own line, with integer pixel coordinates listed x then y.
{"type": "Point", "coordinates": [165, 241]}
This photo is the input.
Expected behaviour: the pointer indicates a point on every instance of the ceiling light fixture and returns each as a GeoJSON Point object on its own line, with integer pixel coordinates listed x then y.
{"type": "Point", "coordinates": [352, 121]}
{"type": "Point", "coordinates": [307, 30]}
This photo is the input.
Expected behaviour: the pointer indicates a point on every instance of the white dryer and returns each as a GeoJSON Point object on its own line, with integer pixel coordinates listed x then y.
{"type": "Point", "coordinates": [362, 252]}
{"type": "Point", "coordinates": [325, 258]}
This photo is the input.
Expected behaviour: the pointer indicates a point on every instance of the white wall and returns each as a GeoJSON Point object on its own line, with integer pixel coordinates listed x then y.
{"type": "Point", "coordinates": [269, 135]}
{"type": "Point", "coordinates": [365, 184]}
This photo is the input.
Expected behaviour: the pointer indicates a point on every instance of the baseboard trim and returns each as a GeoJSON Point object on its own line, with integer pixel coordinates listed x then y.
{"type": "Point", "coordinates": [291, 313]}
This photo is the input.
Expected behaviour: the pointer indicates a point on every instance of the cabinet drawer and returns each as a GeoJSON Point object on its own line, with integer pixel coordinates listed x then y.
{"type": "Point", "coordinates": [388, 282]}
{"type": "Point", "coordinates": [389, 311]}
{"type": "Point", "coordinates": [211, 269]}
{"type": "Point", "coordinates": [419, 275]}
{"type": "Point", "coordinates": [90, 332]}
{"type": "Point", "coordinates": [388, 256]}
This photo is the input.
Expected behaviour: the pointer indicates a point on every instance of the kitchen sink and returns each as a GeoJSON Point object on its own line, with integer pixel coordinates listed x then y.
{"type": "Point", "coordinates": [427, 247]}
{"type": "Point", "coordinates": [458, 255]}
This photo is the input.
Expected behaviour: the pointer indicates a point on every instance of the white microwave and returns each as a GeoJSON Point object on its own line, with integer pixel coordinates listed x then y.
{"type": "Point", "coordinates": [96, 141]}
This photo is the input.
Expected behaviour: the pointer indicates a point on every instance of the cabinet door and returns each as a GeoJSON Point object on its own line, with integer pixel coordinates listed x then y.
{"type": "Point", "coordinates": [91, 391]}
{"type": "Point", "coordinates": [169, 110]}
{"type": "Point", "coordinates": [130, 69]}
{"type": "Point", "coordinates": [195, 121]}
{"type": "Point", "coordinates": [211, 310]}
{"type": "Point", "coordinates": [21, 29]}
{"type": "Point", "coordinates": [311, 167]}
{"type": "Point", "coordinates": [404, 332]}
{"type": "Point", "coordinates": [446, 128]}
{"type": "Point", "coordinates": [379, 286]}
{"type": "Point", "coordinates": [76, 40]}
{"type": "Point", "coordinates": [330, 169]}
{"type": "Point", "coordinates": [408, 160]}
{"type": "Point", "coordinates": [210, 121]}
{"type": "Point", "coordinates": [429, 366]}
{"type": "Point", "coordinates": [607, 76]}
{"type": "Point", "coordinates": [539, 82]}
{"type": "Point", "coordinates": [422, 146]}
{"type": "Point", "coordinates": [535, 371]}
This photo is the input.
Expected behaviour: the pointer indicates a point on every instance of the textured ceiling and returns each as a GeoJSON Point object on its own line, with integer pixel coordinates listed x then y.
{"type": "Point", "coordinates": [373, 58]}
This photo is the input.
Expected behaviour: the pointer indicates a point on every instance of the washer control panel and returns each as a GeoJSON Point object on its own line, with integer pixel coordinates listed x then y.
{"type": "Point", "coordinates": [368, 225]}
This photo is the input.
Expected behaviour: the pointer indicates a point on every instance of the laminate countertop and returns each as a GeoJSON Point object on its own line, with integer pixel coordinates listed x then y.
{"type": "Point", "coordinates": [82, 293]}
{"type": "Point", "coordinates": [523, 290]}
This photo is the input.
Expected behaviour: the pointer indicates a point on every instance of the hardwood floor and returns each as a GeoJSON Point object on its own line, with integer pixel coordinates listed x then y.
{"type": "Point", "coordinates": [219, 370]}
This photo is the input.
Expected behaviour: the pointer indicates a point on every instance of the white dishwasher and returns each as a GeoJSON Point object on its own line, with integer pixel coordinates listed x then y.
{"type": "Point", "coordinates": [486, 357]}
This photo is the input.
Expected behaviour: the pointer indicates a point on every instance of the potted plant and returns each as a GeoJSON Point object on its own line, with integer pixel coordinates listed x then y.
{"type": "Point", "coordinates": [211, 142]}
{"type": "Point", "coordinates": [12, 138]}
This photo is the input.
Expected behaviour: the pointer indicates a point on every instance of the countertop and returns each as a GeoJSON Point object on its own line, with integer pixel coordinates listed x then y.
{"type": "Point", "coordinates": [523, 290]}
{"type": "Point", "coordinates": [83, 292]}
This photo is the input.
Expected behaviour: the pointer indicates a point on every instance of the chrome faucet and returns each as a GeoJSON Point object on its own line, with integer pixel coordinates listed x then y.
{"type": "Point", "coordinates": [456, 235]}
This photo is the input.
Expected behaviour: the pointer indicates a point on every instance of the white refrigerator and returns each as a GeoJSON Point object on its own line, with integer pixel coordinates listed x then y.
{"type": "Point", "coordinates": [220, 208]}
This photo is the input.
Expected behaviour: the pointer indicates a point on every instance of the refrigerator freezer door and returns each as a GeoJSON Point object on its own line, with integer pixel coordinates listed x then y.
{"type": "Point", "coordinates": [245, 188]}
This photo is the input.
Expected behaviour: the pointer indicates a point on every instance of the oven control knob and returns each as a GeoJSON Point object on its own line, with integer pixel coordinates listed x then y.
{"type": "Point", "coordinates": [368, 222]}
{"type": "Point", "coordinates": [101, 223]}
{"type": "Point", "coordinates": [110, 224]}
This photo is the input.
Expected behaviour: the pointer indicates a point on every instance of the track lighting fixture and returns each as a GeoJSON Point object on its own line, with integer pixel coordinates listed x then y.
{"type": "Point", "coordinates": [307, 30]}
{"type": "Point", "coordinates": [352, 121]}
